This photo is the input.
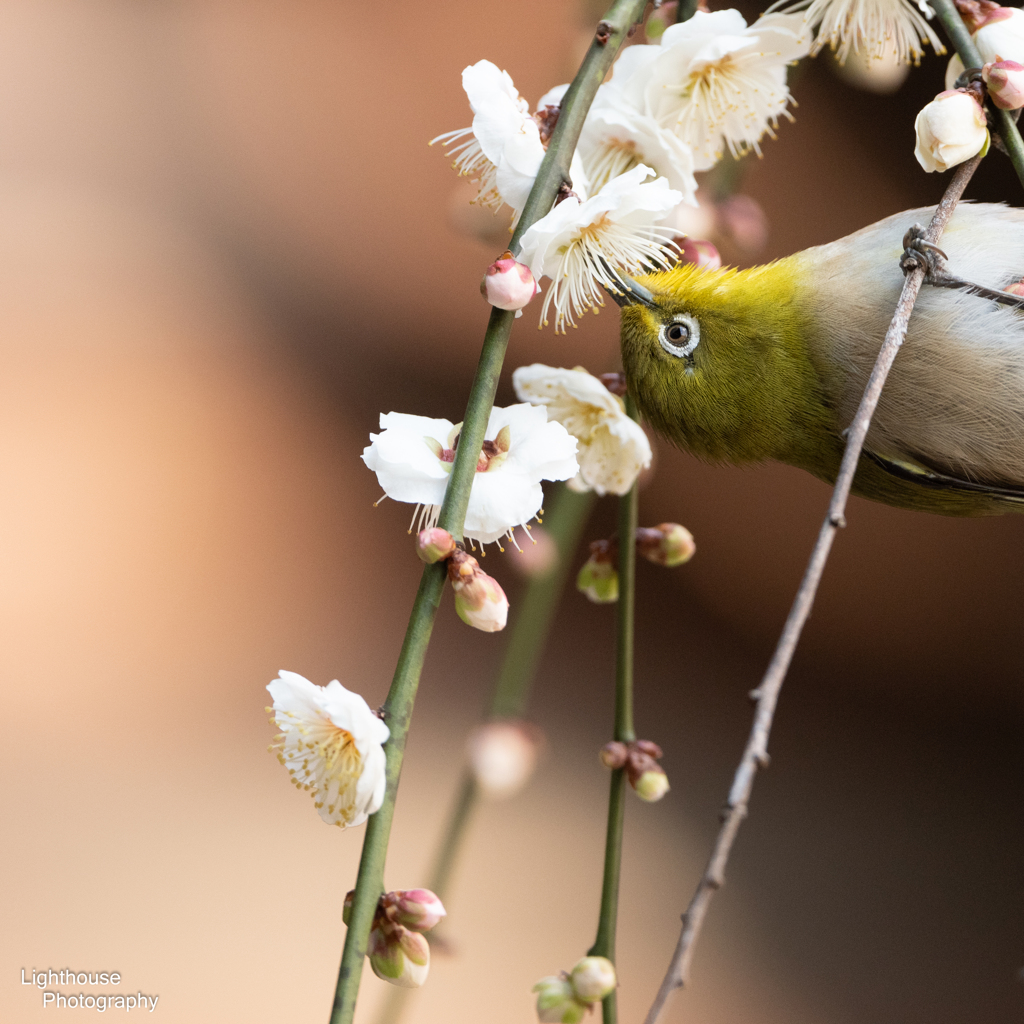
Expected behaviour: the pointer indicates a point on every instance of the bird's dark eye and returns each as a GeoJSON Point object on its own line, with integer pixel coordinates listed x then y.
{"type": "Point", "coordinates": [680, 336]}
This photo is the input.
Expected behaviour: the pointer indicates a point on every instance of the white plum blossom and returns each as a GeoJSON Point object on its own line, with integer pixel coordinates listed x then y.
{"type": "Point", "coordinates": [613, 448]}
{"type": "Point", "coordinates": [502, 150]}
{"type": "Point", "coordinates": [950, 129]}
{"type": "Point", "coordinates": [332, 745]}
{"type": "Point", "coordinates": [719, 83]}
{"type": "Point", "coordinates": [617, 136]}
{"type": "Point", "coordinates": [413, 455]}
{"type": "Point", "coordinates": [874, 28]}
{"type": "Point", "coordinates": [504, 147]}
{"type": "Point", "coordinates": [581, 245]}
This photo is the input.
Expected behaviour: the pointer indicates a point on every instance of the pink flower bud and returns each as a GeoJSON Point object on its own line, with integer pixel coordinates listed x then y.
{"type": "Point", "coordinates": [434, 545]}
{"type": "Point", "coordinates": [700, 252]}
{"type": "Point", "coordinates": [742, 218]}
{"type": "Point", "coordinates": [398, 955]}
{"type": "Point", "coordinates": [418, 909]}
{"type": "Point", "coordinates": [503, 756]}
{"type": "Point", "coordinates": [999, 34]}
{"type": "Point", "coordinates": [556, 1002]}
{"type": "Point", "coordinates": [950, 129]}
{"type": "Point", "coordinates": [1005, 81]}
{"type": "Point", "coordinates": [508, 284]}
{"type": "Point", "coordinates": [614, 754]}
{"type": "Point", "coordinates": [479, 600]}
{"type": "Point", "coordinates": [977, 12]}
{"type": "Point", "coordinates": [652, 784]}
{"type": "Point", "coordinates": [667, 544]}
{"type": "Point", "coordinates": [593, 978]}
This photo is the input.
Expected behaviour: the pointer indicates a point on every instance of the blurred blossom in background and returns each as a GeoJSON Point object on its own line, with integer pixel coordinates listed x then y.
{"type": "Point", "coordinates": [204, 208]}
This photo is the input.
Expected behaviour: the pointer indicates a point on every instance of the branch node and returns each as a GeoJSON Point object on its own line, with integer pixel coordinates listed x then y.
{"type": "Point", "coordinates": [604, 32]}
{"type": "Point", "coordinates": [754, 696]}
{"type": "Point", "coordinates": [837, 520]}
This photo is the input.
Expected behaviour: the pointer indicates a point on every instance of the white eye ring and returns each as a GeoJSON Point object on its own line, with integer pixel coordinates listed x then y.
{"type": "Point", "coordinates": [680, 336]}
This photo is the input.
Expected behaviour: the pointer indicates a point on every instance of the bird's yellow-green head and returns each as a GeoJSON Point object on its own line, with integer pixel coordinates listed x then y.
{"type": "Point", "coordinates": [718, 361]}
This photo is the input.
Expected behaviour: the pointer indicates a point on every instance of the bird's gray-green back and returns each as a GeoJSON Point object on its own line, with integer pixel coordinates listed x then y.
{"type": "Point", "coordinates": [954, 401]}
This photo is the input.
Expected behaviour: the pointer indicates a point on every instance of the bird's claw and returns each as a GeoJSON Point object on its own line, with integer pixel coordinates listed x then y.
{"type": "Point", "coordinates": [918, 252]}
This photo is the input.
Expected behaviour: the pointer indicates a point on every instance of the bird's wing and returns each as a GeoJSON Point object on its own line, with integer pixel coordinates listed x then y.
{"type": "Point", "coordinates": [925, 477]}
{"type": "Point", "coordinates": [954, 402]}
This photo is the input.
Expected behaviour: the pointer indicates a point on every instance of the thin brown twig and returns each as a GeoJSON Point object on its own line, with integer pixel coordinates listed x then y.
{"type": "Point", "coordinates": [755, 754]}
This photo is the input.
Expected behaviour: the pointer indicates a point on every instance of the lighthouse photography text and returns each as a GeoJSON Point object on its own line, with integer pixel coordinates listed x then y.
{"type": "Point", "coordinates": [47, 980]}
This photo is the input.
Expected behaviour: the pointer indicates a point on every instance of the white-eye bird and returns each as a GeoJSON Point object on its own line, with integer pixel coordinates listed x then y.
{"type": "Point", "coordinates": [740, 366]}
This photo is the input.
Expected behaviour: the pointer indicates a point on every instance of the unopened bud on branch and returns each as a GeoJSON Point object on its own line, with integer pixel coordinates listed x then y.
{"type": "Point", "coordinates": [667, 544]}
{"type": "Point", "coordinates": [556, 1002]}
{"type": "Point", "coordinates": [398, 955]}
{"type": "Point", "coordinates": [593, 978]}
{"type": "Point", "coordinates": [614, 754]}
{"type": "Point", "coordinates": [418, 909]}
{"type": "Point", "coordinates": [652, 784]}
{"type": "Point", "coordinates": [479, 600]}
{"type": "Point", "coordinates": [640, 759]}
{"type": "Point", "coordinates": [950, 129]}
{"type": "Point", "coordinates": [434, 545]}
{"type": "Point", "coordinates": [508, 284]}
{"type": "Point", "coordinates": [1005, 81]}
{"type": "Point", "coordinates": [999, 33]}
{"type": "Point", "coordinates": [598, 579]}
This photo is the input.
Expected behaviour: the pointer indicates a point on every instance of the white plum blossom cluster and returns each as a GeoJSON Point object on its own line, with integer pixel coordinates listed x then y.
{"type": "Point", "coordinates": [576, 429]}
{"type": "Point", "coordinates": [671, 108]}
{"type": "Point", "coordinates": [397, 951]}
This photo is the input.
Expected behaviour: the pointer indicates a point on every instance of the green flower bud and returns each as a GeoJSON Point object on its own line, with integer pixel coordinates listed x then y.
{"type": "Point", "coordinates": [598, 580]}
{"type": "Point", "coordinates": [556, 1003]}
{"type": "Point", "coordinates": [397, 955]}
{"type": "Point", "coordinates": [667, 544]}
{"type": "Point", "coordinates": [652, 785]}
{"type": "Point", "coordinates": [593, 978]}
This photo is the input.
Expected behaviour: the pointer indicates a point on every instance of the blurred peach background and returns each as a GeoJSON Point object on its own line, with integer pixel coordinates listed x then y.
{"type": "Point", "coordinates": [224, 249]}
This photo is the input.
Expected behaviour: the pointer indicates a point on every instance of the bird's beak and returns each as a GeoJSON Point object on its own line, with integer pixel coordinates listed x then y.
{"type": "Point", "coordinates": [632, 293]}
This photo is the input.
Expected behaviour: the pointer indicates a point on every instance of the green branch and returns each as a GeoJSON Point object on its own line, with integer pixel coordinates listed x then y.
{"type": "Point", "coordinates": [397, 710]}
{"type": "Point", "coordinates": [604, 944]}
{"type": "Point", "coordinates": [960, 36]}
{"type": "Point", "coordinates": [533, 616]}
